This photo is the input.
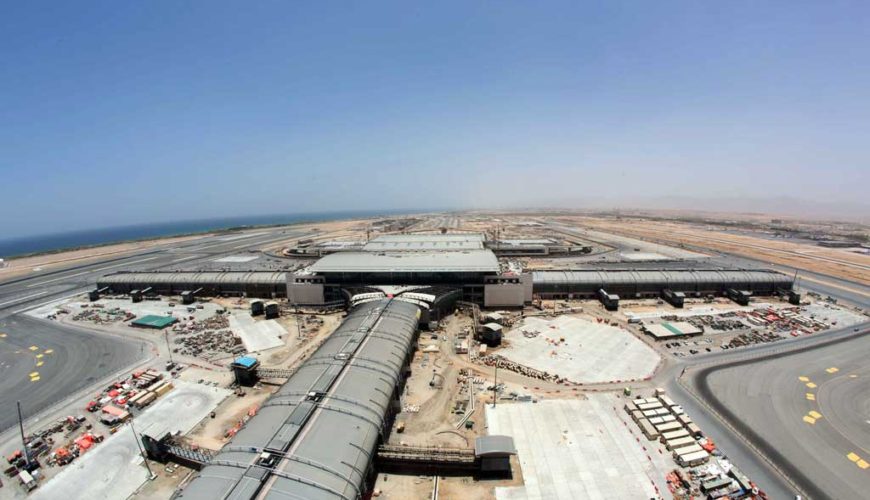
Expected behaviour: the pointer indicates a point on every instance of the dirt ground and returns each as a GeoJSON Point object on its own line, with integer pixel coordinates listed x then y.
{"type": "Point", "coordinates": [211, 433]}
{"type": "Point", "coordinates": [830, 261]}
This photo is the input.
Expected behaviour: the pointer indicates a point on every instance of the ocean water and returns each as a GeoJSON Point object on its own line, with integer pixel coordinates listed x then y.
{"type": "Point", "coordinates": [60, 241]}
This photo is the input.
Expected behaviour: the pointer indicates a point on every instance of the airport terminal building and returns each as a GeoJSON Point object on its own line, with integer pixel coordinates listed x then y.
{"type": "Point", "coordinates": [459, 263]}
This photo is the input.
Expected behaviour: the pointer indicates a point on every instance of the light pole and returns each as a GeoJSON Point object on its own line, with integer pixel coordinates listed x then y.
{"type": "Point", "coordinates": [168, 349]}
{"type": "Point", "coordinates": [23, 441]}
{"type": "Point", "coordinates": [151, 474]}
{"type": "Point", "coordinates": [495, 386]}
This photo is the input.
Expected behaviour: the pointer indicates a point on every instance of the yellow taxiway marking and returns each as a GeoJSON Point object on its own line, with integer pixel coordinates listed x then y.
{"type": "Point", "coordinates": [862, 464]}
{"type": "Point", "coordinates": [816, 415]}
{"type": "Point", "coordinates": [811, 396]}
{"type": "Point", "coordinates": [832, 369]}
{"type": "Point", "coordinates": [811, 385]}
{"type": "Point", "coordinates": [804, 379]}
{"type": "Point", "coordinates": [34, 379]}
{"type": "Point", "coordinates": [34, 374]}
{"type": "Point", "coordinates": [49, 351]}
{"type": "Point", "coordinates": [34, 348]}
{"type": "Point", "coordinates": [809, 420]}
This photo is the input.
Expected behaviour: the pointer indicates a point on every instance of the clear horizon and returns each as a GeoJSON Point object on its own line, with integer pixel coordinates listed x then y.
{"type": "Point", "coordinates": [128, 114]}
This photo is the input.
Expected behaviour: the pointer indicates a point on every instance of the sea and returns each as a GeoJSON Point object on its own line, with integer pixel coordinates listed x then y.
{"type": "Point", "coordinates": [68, 240]}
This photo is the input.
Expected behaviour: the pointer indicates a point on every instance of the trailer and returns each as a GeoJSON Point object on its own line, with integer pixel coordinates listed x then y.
{"type": "Point", "coordinates": [673, 298]}
{"type": "Point", "coordinates": [609, 300]}
{"type": "Point", "coordinates": [739, 296]}
{"type": "Point", "coordinates": [694, 430]}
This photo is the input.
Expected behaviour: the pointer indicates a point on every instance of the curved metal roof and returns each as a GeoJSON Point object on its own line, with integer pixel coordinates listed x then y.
{"type": "Point", "coordinates": [324, 447]}
{"type": "Point", "coordinates": [595, 277]}
{"type": "Point", "coordinates": [204, 278]}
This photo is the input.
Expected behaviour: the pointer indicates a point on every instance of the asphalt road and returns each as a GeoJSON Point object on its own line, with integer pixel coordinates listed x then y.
{"type": "Point", "coordinates": [75, 358]}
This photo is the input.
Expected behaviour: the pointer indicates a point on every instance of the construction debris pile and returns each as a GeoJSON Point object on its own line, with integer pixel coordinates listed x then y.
{"type": "Point", "coordinates": [99, 315]}
{"type": "Point", "coordinates": [506, 364]}
{"type": "Point", "coordinates": [747, 339]}
{"type": "Point", "coordinates": [40, 444]}
{"type": "Point", "coordinates": [206, 339]}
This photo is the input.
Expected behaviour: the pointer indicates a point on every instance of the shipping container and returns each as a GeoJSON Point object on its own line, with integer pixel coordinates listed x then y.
{"type": "Point", "coordinates": [163, 389]}
{"type": "Point", "coordinates": [687, 450]}
{"type": "Point", "coordinates": [693, 459]}
{"type": "Point", "coordinates": [648, 430]}
{"type": "Point", "coordinates": [667, 436]}
{"type": "Point", "coordinates": [669, 426]}
{"type": "Point", "coordinates": [673, 444]}
{"type": "Point", "coordinates": [649, 406]}
{"type": "Point", "coordinates": [146, 400]}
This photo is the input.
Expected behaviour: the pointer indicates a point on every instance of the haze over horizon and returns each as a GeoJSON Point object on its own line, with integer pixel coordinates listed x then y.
{"type": "Point", "coordinates": [117, 114]}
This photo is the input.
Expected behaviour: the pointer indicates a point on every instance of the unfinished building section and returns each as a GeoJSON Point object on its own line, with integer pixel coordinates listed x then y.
{"type": "Point", "coordinates": [651, 283]}
{"type": "Point", "coordinates": [316, 438]}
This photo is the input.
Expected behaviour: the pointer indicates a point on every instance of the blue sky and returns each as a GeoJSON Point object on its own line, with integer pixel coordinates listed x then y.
{"type": "Point", "coordinates": [128, 112]}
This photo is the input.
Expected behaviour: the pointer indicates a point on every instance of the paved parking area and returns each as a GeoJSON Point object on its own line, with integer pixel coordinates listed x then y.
{"type": "Point", "coordinates": [257, 335]}
{"type": "Point", "coordinates": [591, 352]}
{"type": "Point", "coordinates": [113, 469]}
{"type": "Point", "coordinates": [571, 449]}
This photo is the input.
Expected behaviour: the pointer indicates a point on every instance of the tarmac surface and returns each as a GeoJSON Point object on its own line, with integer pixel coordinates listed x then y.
{"type": "Point", "coordinates": [78, 357]}
{"type": "Point", "coordinates": [806, 411]}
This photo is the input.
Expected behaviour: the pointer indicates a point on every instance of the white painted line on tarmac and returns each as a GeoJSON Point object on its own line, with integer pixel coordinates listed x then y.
{"type": "Point", "coordinates": [88, 271]}
{"type": "Point", "coordinates": [185, 258]}
{"type": "Point", "coordinates": [20, 299]}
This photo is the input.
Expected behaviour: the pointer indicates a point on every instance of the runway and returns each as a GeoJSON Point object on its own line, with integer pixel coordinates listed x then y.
{"type": "Point", "coordinates": [75, 358]}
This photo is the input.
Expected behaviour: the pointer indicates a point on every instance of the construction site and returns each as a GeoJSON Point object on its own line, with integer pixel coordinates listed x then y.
{"type": "Point", "coordinates": [455, 357]}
